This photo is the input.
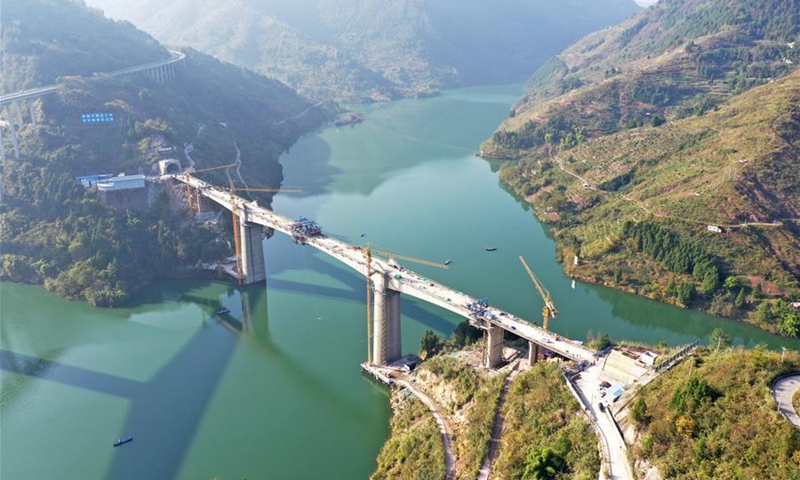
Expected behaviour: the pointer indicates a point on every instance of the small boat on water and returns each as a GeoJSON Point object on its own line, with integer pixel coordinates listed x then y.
{"type": "Point", "coordinates": [448, 262]}
{"type": "Point", "coordinates": [350, 119]}
{"type": "Point", "coordinates": [123, 441]}
{"type": "Point", "coordinates": [223, 312]}
{"type": "Point", "coordinates": [363, 234]}
{"type": "Point", "coordinates": [490, 249]}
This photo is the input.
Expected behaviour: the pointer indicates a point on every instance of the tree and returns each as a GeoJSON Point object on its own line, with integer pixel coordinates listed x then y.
{"type": "Point", "coordinates": [602, 341]}
{"type": "Point", "coordinates": [789, 325]}
{"type": "Point", "coordinates": [429, 341]}
{"type": "Point", "coordinates": [639, 411]}
{"type": "Point", "coordinates": [719, 338]}
{"type": "Point", "coordinates": [543, 464]}
{"type": "Point", "coordinates": [686, 292]}
{"type": "Point", "coordinates": [740, 299]}
{"type": "Point", "coordinates": [617, 275]}
{"type": "Point", "coordinates": [757, 290]}
{"type": "Point", "coordinates": [764, 313]}
{"type": "Point", "coordinates": [710, 281]}
{"type": "Point", "coordinates": [465, 334]}
{"type": "Point", "coordinates": [685, 425]}
{"type": "Point", "coordinates": [731, 283]}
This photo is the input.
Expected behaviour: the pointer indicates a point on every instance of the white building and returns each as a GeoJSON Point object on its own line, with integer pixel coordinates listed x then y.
{"type": "Point", "coordinates": [121, 182]}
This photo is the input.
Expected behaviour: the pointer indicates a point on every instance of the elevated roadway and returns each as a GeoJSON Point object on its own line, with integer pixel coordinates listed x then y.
{"type": "Point", "coordinates": [395, 278]}
{"type": "Point", "coordinates": [175, 56]}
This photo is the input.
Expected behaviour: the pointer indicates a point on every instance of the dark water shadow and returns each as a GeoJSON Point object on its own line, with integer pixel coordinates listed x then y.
{"type": "Point", "coordinates": [307, 165]}
{"type": "Point", "coordinates": [67, 374]}
{"type": "Point", "coordinates": [165, 413]}
{"type": "Point", "coordinates": [163, 293]}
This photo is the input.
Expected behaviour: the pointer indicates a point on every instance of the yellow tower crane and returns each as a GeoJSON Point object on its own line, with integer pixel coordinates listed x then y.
{"type": "Point", "coordinates": [396, 256]}
{"type": "Point", "coordinates": [549, 310]}
{"type": "Point", "coordinates": [369, 304]}
{"type": "Point", "coordinates": [368, 251]}
{"type": "Point", "coordinates": [192, 199]}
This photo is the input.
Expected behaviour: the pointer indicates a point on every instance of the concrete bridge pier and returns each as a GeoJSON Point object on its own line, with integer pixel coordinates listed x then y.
{"type": "Point", "coordinates": [32, 110]}
{"type": "Point", "coordinates": [533, 353]}
{"type": "Point", "coordinates": [387, 340]}
{"type": "Point", "coordinates": [9, 121]}
{"type": "Point", "coordinates": [253, 267]}
{"type": "Point", "coordinates": [18, 111]}
{"type": "Point", "coordinates": [494, 347]}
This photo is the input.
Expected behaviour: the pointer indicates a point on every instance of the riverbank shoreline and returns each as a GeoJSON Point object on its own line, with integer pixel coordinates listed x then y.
{"type": "Point", "coordinates": [602, 278]}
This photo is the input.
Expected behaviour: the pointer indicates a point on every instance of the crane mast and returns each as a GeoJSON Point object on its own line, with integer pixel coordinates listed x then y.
{"type": "Point", "coordinates": [549, 310]}
{"type": "Point", "coordinates": [237, 242]}
{"type": "Point", "coordinates": [369, 304]}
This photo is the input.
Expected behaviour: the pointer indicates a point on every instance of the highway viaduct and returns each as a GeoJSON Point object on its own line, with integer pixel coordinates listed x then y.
{"type": "Point", "coordinates": [18, 109]}
{"type": "Point", "coordinates": [389, 281]}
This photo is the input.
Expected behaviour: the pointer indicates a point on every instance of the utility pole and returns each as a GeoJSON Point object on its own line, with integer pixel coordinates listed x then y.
{"type": "Point", "coordinates": [783, 354]}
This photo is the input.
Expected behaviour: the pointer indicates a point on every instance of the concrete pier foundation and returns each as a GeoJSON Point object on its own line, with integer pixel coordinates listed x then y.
{"type": "Point", "coordinates": [253, 267]}
{"type": "Point", "coordinates": [387, 340]}
{"type": "Point", "coordinates": [494, 347]}
{"type": "Point", "coordinates": [6, 114]}
{"type": "Point", "coordinates": [32, 109]}
{"type": "Point", "coordinates": [533, 353]}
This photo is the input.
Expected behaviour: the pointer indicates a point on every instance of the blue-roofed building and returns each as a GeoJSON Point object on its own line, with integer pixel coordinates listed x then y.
{"type": "Point", "coordinates": [89, 180]}
{"type": "Point", "coordinates": [616, 390]}
{"type": "Point", "coordinates": [121, 182]}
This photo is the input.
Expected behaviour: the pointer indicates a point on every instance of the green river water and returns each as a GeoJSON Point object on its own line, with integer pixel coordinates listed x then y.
{"type": "Point", "coordinates": [273, 389]}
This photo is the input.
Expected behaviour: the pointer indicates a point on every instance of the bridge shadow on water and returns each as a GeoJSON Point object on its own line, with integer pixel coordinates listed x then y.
{"type": "Point", "coordinates": [166, 411]}
{"type": "Point", "coordinates": [66, 374]}
{"type": "Point", "coordinates": [354, 290]}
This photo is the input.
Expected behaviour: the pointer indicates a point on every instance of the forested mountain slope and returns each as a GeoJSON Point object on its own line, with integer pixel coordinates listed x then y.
{"type": "Point", "coordinates": [713, 416]}
{"type": "Point", "coordinates": [56, 232]}
{"type": "Point", "coordinates": [637, 138]}
{"type": "Point", "coordinates": [364, 50]}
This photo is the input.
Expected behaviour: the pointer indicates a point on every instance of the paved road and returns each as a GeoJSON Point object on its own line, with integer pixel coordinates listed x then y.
{"type": "Point", "coordinates": [783, 390]}
{"type": "Point", "coordinates": [588, 388]}
{"type": "Point", "coordinates": [175, 56]}
{"type": "Point", "coordinates": [398, 279]}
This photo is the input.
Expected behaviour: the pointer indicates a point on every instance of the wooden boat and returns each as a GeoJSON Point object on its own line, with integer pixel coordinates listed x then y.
{"type": "Point", "coordinates": [123, 441]}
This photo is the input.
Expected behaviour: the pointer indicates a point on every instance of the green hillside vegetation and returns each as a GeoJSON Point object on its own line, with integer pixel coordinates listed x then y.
{"type": "Point", "coordinates": [36, 49]}
{"type": "Point", "coordinates": [542, 427]}
{"type": "Point", "coordinates": [668, 183]}
{"type": "Point", "coordinates": [633, 164]}
{"type": "Point", "coordinates": [714, 417]}
{"type": "Point", "coordinates": [469, 397]}
{"type": "Point", "coordinates": [675, 59]}
{"type": "Point", "coordinates": [55, 232]}
{"type": "Point", "coordinates": [373, 50]}
{"type": "Point", "coordinates": [414, 451]}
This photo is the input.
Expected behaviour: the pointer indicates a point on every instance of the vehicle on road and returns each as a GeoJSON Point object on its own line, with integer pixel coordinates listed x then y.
{"type": "Point", "coordinates": [224, 311]}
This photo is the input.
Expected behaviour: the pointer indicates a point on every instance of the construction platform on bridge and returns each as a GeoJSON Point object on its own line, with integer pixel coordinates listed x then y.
{"type": "Point", "coordinates": [388, 281]}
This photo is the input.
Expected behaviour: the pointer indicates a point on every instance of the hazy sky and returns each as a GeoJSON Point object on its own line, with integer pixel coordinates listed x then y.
{"type": "Point", "coordinates": [645, 3]}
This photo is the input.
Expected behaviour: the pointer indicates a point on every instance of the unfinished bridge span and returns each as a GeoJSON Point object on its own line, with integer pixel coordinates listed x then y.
{"type": "Point", "coordinates": [388, 281]}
